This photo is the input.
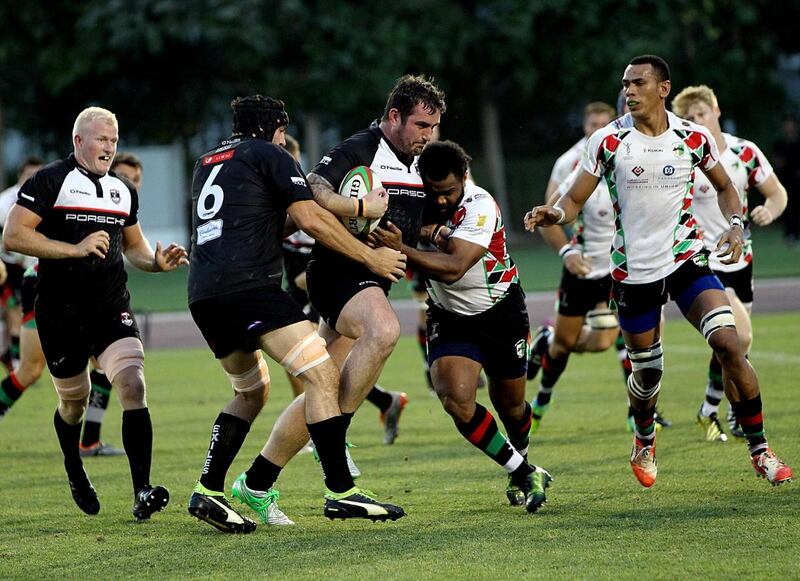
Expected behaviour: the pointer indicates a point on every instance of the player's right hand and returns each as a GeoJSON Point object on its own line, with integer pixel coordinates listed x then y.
{"type": "Point", "coordinates": [96, 243]}
{"type": "Point", "coordinates": [541, 216]}
{"type": "Point", "coordinates": [377, 201]}
{"type": "Point", "coordinates": [387, 263]}
{"type": "Point", "coordinates": [577, 264]}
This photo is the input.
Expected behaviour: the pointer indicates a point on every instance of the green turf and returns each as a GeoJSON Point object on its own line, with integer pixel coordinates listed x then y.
{"type": "Point", "coordinates": [540, 270]}
{"type": "Point", "coordinates": [707, 516]}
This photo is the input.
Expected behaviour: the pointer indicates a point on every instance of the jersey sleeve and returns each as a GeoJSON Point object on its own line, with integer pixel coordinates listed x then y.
{"type": "Point", "coordinates": [39, 193]}
{"type": "Point", "coordinates": [287, 178]}
{"type": "Point", "coordinates": [479, 222]}
{"type": "Point", "coordinates": [599, 147]}
{"type": "Point", "coordinates": [133, 217]}
{"type": "Point", "coordinates": [709, 154]}
{"type": "Point", "coordinates": [756, 163]}
{"type": "Point", "coordinates": [356, 150]}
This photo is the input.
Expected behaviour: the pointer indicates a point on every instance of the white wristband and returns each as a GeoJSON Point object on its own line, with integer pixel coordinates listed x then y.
{"type": "Point", "coordinates": [736, 220]}
{"type": "Point", "coordinates": [563, 215]}
{"type": "Point", "coordinates": [566, 250]}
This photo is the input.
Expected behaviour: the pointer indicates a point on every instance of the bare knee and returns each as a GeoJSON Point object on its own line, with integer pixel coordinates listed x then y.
{"type": "Point", "coordinates": [129, 385]}
{"type": "Point", "coordinates": [459, 408]}
{"type": "Point", "coordinates": [383, 334]}
{"type": "Point", "coordinates": [72, 410]}
{"type": "Point", "coordinates": [726, 345]}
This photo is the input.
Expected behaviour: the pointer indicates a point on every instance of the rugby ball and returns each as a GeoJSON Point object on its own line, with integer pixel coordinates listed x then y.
{"type": "Point", "coordinates": [358, 182]}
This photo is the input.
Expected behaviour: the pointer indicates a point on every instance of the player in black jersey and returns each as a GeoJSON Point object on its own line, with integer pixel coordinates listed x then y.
{"type": "Point", "coordinates": [352, 301]}
{"type": "Point", "coordinates": [79, 218]}
{"type": "Point", "coordinates": [242, 192]}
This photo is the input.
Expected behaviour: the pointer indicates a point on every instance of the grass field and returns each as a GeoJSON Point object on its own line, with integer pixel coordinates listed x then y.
{"type": "Point", "coordinates": [707, 516]}
{"type": "Point", "coordinates": [540, 270]}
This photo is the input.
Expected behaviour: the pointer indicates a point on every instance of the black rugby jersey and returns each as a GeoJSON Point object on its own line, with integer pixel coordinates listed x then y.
{"type": "Point", "coordinates": [240, 193]}
{"type": "Point", "coordinates": [73, 202]}
{"type": "Point", "coordinates": [398, 173]}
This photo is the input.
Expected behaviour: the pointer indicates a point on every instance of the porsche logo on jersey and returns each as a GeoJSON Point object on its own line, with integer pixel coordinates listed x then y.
{"type": "Point", "coordinates": [125, 318]}
{"type": "Point", "coordinates": [638, 170]}
{"type": "Point", "coordinates": [115, 197]}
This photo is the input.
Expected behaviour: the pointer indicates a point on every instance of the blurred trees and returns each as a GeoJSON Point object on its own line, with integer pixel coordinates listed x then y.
{"type": "Point", "coordinates": [516, 73]}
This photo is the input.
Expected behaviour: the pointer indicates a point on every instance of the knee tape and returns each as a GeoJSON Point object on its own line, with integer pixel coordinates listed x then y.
{"type": "Point", "coordinates": [120, 355]}
{"type": "Point", "coordinates": [602, 319]}
{"type": "Point", "coordinates": [717, 319]}
{"type": "Point", "coordinates": [73, 388]}
{"type": "Point", "coordinates": [255, 378]}
{"type": "Point", "coordinates": [643, 393]}
{"type": "Point", "coordinates": [307, 353]}
{"type": "Point", "coordinates": [650, 358]}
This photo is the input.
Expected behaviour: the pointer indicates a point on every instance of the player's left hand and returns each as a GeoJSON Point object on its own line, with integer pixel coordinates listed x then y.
{"type": "Point", "coordinates": [731, 245]}
{"type": "Point", "coordinates": [391, 237]}
{"type": "Point", "coordinates": [170, 258]}
{"type": "Point", "coordinates": [761, 215]}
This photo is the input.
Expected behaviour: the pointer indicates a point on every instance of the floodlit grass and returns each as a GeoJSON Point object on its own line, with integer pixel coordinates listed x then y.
{"type": "Point", "coordinates": [707, 516]}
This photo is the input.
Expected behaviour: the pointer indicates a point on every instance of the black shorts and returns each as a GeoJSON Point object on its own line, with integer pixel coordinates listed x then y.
{"type": "Point", "coordinates": [639, 305]}
{"type": "Point", "coordinates": [333, 281]}
{"type": "Point", "coordinates": [70, 336]}
{"type": "Point", "coordinates": [577, 296]}
{"type": "Point", "coordinates": [235, 321]}
{"type": "Point", "coordinates": [741, 281]}
{"type": "Point", "coordinates": [498, 338]}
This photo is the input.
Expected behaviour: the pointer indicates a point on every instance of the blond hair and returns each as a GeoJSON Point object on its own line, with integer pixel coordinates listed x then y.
{"type": "Point", "coordinates": [93, 114]}
{"type": "Point", "coordinates": [691, 95]}
{"type": "Point", "coordinates": [599, 108]}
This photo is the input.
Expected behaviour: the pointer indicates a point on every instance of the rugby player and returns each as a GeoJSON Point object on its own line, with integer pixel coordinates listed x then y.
{"type": "Point", "coordinates": [648, 159]}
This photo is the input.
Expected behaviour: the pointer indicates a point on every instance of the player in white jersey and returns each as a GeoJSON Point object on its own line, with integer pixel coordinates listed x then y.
{"type": "Point", "coordinates": [584, 322]}
{"type": "Point", "coordinates": [747, 167]}
{"type": "Point", "coordinates": [477, 318]}
{"type": "Point", "coordinates": [649, 158]}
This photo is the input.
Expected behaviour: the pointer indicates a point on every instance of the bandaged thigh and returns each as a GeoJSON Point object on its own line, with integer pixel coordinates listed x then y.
{"type": "Point", "coordinates": [74, 388]}
{"type": "Point", "coordinates": [121, 355]}
{"type": "Point", "coordinates": [257, 377]}
{"type": "Point", "coordinates": [307, 353]}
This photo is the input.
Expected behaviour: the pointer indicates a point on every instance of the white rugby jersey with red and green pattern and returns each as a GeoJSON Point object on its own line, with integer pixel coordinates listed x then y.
{"type": "Point", "coordinates": [477, 219]}
{"type": "Point", "coordinates": [747, 166]}
{"type": "Point", "coordinates": [651, 181]}
{"type": "Point", "coordinates": [593, 230]}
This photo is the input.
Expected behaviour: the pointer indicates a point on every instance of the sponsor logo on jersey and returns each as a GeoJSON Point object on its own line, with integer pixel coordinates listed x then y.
{"type": "Point", "coordinates": [405, 192]}
{"type": "Point", "coordinates": [126, 319]}
{"type": "Point", "coordinates": [392, 167]}
{"type": "Point", "coordinates": [325, 160]}
{"type": "Point", "coordinates": [638, 170]}
{"type": "Point", "coordinates": [653, 150]}
{"type": "Point", "coordinates": [668, 170]}
{"type": "Point", "coordinates": [522, 348]}
{"type": "Point", "coordinates": [115, 197]}
{"type": "Point", "coordinates": [482, 220]}
{"type": "Point", "coordinates": [96, 219]}
{"type": "Point", "coordinates": [298, 181]}
{"type": "Point", "coordinates": [209, 231]}
{"type": "Point", "coordinates": [74, 191]}
{"type": "Point", "coordinates": [704, 188]}
{"type": "Point", "coordinates": [224, 156]}
{"type": "Point", "coordinates": [678, 149]}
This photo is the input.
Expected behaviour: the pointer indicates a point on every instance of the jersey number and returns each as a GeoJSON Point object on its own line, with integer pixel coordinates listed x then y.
{"type": "Point", "coordinates": [210, 191]}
